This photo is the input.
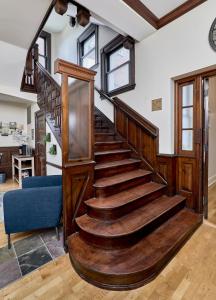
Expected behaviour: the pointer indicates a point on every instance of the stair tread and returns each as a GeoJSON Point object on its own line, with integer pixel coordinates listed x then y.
{"type": "Point", "coordinates": [109, 142]}
{"type": "Point", "coordinates": [115, 151]}
{"type": "Point", "coordinates": [122, 198]}
{"type": "Point", "coordinates": [131, 222]}
{"type": "Point", "coordinates": [143, 256]}
{"type": "Point", "coordinates": [120, 178]}
{"type": "Point", "coordinates": [104, 133]}
{"type": "Point", "coordinates": [117, 163]}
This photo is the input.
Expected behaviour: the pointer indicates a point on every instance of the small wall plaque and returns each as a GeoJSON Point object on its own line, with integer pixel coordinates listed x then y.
{"type": "Point", "coordinates": [157, 104]}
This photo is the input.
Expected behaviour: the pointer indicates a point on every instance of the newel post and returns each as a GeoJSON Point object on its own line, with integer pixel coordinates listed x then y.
{"type": "Point", "coordinates": [77, 97]}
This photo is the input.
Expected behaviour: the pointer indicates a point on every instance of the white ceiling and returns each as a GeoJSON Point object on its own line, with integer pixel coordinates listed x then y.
{"type": "Point", "coordinates": [161, 8]}
{"type": "Point", "coordinates": [121, 16]}
{"type": "Point", "coordinates": [57, 23]}
{"type": "Point", "coordinates": [20, 19]}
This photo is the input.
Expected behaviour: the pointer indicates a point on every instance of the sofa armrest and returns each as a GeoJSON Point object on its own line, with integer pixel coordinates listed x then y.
{"type": "Point", "coordinates": [41, 181]}
{"type": "Point", "coordinates": [31, 209]}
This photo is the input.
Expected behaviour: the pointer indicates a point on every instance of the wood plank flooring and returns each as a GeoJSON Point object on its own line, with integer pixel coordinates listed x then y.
{"type": "Point", "coordinates": [191, 275]}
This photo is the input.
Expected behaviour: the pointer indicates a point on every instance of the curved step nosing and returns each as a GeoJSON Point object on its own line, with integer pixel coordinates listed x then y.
{"type": "Point", "coordinates": [125, 204]}
{"type": "Point", "coordinates": [117, 165]}
{"type": "Point", "coordinates": [137, 229]}
{"type": "Point", "coordinates": [99, 187]}
{"type": "Point", "coordinates": [153, 269]}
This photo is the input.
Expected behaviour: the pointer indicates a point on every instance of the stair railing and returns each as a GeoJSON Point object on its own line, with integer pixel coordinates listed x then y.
{"type": "Point", "coordinates": [143, 138]}
{"type": "Point", "coordinates": [37, 80]}
{"type": "Point", "coordinates": [77, 96]}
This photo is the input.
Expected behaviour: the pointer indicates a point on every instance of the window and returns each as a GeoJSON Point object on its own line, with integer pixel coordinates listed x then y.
{"type": "Point", "coordinates": [87, 45]}
{"type": "Point", "coordinates": [185, 113]}
{"type": "Point", "coordinates": [118, 66]}
{"type": "Point", "coordinates": [44, 49]}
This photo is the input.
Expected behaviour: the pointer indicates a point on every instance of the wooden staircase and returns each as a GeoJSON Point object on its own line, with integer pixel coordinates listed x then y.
{"type": "Point", "coordinates": [135, 223]}
{"type": "Point", "coordinates": [132, 229]}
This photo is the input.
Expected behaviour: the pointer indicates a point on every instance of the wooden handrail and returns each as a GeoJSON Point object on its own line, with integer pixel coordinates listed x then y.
{"type": "Point", "coordinates": [132, 114]}
{"type": "Point", "coordinates": [48, 75]}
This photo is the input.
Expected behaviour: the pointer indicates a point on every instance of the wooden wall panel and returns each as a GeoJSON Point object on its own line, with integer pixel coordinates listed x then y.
{"type": "Point", "coordinates": [6, 162]}
{"type": "Point", "coordinates": [186, 184]}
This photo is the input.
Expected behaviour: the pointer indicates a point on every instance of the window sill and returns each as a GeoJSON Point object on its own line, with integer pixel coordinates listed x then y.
{"type": "Point", "coordinates": [121, 90]}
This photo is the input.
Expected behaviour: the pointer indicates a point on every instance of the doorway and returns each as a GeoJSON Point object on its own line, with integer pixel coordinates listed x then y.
{"type": "Point", "coordinates": [195, 142]}
{"type": "Point", "coordinates": [209, 144]}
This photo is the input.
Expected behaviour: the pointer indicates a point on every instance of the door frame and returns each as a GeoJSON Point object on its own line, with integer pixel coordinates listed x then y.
{"type": "Point", "coordinates": [202, 146]}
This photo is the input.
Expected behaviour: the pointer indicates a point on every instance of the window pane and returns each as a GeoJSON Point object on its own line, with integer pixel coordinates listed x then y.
{"type": "Point", "coordinates": [42, 61]}
{"type": "Point", "coordinates": [89, 60]}
{"type": "Point", "coordinates": [41, 45]}
{"type": "Point", "coordinates": [118, 57]}
{"type": "Point", "coordinates": [118, 78]}
{"type": "Point", "coordinates": [187, 95]}
{"type": "Point", "coordinates": [89, 44]}
{"type": "Point", "coordinates": [187, 140]}
{"type": "Point", "coordinates": [187, 117]}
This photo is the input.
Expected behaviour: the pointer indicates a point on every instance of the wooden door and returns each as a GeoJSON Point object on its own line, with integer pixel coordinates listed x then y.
{"type": "Point", "coordinates": [40, 145]}
{"type": "Point", "coordinates": [189, 116]}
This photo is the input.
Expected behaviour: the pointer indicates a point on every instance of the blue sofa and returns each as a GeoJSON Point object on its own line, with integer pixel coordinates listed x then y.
{"type": "Point", "coordinates": [37, 205]}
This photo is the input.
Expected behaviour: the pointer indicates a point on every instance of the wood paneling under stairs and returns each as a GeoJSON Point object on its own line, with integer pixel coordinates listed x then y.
{"type": "Point", "coordinates": [134, 225]}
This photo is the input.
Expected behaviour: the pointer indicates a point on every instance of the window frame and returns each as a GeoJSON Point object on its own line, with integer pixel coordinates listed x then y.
{"type": "Point", "coordinates": [117, 43]}
{"type": "Point", "coordinates": [86, 35]}
{"type": "Point", "coordinates": [179, 114]}
{"type": "Point", "coordinates": [47, 38]}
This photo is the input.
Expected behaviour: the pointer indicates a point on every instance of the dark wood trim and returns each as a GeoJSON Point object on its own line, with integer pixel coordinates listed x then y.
{"type": "Point", "coordinates": [143, 11]}
{"type": "Point", "coordinates": [92, 29]}
{"type": "Point", "coordinates": [179, 11]}
{"type": "Point", "coordinates": [156, 22]}
{"type": "Point", "coordinates": [47, 37]}
{"type": "Point", "coordinates": [54, 165]}
{"type": "Point", "coordinates": [109, 48]}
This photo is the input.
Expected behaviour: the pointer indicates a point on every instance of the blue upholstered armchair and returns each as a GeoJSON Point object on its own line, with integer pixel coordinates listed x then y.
{"type": "Point", "coordinates": [37, 205]}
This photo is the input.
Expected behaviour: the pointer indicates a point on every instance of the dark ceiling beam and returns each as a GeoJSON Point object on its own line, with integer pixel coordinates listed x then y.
{"type": "Point", "coordinates": [152, 19]}
{"type": "Point", "coordinates": [143, 11]}
{"type": "Point", "coordinates": [179, 11]}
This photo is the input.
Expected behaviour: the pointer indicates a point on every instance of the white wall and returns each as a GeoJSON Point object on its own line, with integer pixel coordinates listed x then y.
{"type": "Point", "coordinates": [212, 131]}
{"type": "Point", "coordinates": [178, 48]}
{"type": "Point", "coordinates": [12, 112]}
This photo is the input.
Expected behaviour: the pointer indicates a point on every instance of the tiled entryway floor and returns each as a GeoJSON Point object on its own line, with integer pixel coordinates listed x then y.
{"type": "Point", "coordinates": [29, 254]}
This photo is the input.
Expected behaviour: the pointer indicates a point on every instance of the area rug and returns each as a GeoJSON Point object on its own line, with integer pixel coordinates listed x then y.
{"type": "Point", "coordinates": [1, 207]}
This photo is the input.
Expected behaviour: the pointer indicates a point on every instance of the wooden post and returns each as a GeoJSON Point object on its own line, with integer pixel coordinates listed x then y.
{"type": "Point", "coordinates": [77, 140]}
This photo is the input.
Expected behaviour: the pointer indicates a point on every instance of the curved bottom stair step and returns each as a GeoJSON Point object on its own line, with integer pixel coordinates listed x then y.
{"type": "Point", "coordinates": [132, 267]}
{"type": "Point", "coordinates": [131, 227]}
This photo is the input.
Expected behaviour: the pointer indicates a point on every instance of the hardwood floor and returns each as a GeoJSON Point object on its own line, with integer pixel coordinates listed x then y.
{"type": "Point", "coordinates": [212, 204]}
{"type": "Point", "coordinates": [8, 185]}
{"type": "Point", "coordinates": [191, 275]}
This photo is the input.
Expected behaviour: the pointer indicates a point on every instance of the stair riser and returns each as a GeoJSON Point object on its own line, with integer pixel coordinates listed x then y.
{"type": "Point", "coordinates": [116, 170]}
{"type": "Point", "coordinates": [134, 280]}
{"type": "Point", "coordinates": [119, 187]}
{"type": "Point", "coordinates": [112, 157]}
{"type": "Point", "coordinates": [119, 242]}
{"type": "Point", "coordinates": [107, 147]}
{"type": "Point", "coordinates": [115, 213]}
{"type": "Point", "coordinates": [104, 138]}
{"type": "Point", "coordinates": [102, 130]}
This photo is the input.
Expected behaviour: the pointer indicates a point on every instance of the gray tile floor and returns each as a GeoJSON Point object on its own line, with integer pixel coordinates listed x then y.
{"type": "Point", "coordinates": [28, 254]}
